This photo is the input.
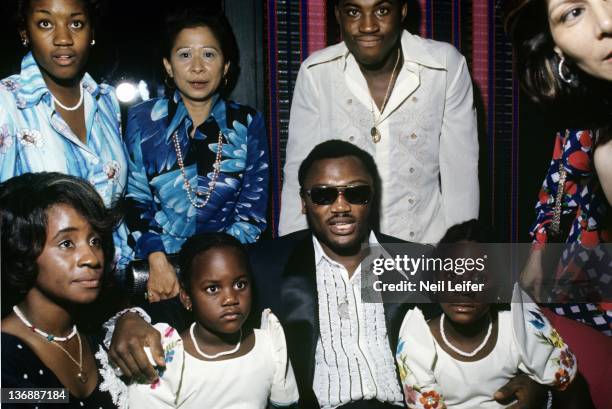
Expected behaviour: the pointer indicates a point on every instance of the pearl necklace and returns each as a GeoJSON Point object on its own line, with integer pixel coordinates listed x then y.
{"type": "Point", "coordinates": [195, 344]}
{"type": "Point", "coordinates": [50, 337]}
{"type": "Point", "coordinates": [72, 108]}
{"type": "Point", "coordinates": [374, 132]}
{"type": "Point", "coordinates": [189, 191]}
{"type": "Point", "coordinates": [457, 350]}
{"type": "Point", "coordinates": [81, 376]}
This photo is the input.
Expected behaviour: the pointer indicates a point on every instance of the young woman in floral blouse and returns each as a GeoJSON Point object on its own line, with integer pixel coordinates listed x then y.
{"type": "Point", "coordinates": [563, 52]}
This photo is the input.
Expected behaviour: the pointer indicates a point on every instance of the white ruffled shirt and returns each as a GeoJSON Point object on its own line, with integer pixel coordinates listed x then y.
{"type": "Point", "coordinates": [353, 360]}
{"type": "Point", "coordinates": [250, 381]}
{"type": "Point", "coordinates": [526, 342]}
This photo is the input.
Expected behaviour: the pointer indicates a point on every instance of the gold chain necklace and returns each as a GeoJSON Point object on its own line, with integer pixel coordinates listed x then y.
{"type": "Point", "coordinates": [81, 375]}
{"type": "Point", "coordinates": [374, 132]}
{"type": "Point", "coordinates": [189, 191]}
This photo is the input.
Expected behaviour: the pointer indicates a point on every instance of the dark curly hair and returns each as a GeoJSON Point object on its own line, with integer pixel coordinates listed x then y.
{"type": "Point", "coordinates": [217, 23]}
{"type": "Point", "coordinates": [24, 201]}
{"type": "Point", "coordinates": [586, 98]}
{"type": "Point", "coordinates": [95, 9]}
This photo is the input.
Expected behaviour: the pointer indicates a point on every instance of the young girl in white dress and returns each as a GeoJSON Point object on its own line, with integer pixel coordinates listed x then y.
{"type": "Point", "coordinates": [219, 361]}
{"type": "Point", "coordinates": [461, 358]}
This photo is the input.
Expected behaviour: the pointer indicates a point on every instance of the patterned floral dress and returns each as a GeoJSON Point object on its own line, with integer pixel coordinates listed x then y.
{"type": "Point", "coordinates": [584, 202]}
{"type": "Point", "coordinates": [161, 216]}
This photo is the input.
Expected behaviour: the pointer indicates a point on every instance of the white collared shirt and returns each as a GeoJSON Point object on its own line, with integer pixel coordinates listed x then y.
{"type": "Point", "coordinates": [428, 154]}
{"type": "Point", "coordinates": [353, 360]}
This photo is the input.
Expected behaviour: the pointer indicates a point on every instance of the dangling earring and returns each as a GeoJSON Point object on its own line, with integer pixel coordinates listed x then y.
{"type": "Point", "coordinates": [93, 42]}
{"type": "Point", "coordinates": [561, 74]}
{"type": "Point", "coordinates": [25, 41]}
{"type": "Point", "coordinates": [225, 81]}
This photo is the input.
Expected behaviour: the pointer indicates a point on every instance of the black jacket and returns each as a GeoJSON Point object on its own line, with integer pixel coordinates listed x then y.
{"type": "Point", "coordinates": [284, 275]}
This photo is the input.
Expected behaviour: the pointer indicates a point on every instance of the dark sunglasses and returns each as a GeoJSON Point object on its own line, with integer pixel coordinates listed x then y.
{"type": "Point", "coordinates": [326, 195]}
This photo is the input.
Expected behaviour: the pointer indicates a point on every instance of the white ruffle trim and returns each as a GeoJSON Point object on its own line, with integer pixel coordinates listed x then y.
{"type": "Point", "coordinates": [111, 383]}
{"type": "Point", "coordinates": [109, 326]}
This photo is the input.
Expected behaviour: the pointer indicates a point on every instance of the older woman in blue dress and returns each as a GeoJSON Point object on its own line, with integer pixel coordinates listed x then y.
{"type": "Point", "coordinates": [198, 162]}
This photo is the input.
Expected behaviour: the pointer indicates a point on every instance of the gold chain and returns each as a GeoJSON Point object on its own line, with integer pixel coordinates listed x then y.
{"type": "Point", "coordinates": [80, 375]}
{"type": "Point", "coordinates": [374, 131]}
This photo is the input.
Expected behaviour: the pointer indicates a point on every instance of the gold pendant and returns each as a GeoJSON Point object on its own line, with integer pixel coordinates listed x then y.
{"type": "Point", "coordinates": [375, 134]}
{"type": "Point", "coordinates": [82, 376]}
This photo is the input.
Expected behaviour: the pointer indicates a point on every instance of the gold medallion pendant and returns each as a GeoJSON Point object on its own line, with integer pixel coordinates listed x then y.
{"type": "Point", "coordinates": [375, 134]}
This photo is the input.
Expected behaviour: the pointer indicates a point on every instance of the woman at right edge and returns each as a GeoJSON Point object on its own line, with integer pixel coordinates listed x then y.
{"type": "Point", "coordinates": [563, 50]}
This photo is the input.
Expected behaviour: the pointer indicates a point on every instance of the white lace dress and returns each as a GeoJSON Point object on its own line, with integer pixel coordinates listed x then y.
{"type": "Point", "coordinates": [250, 381]}
{"type": "Point", "coordinates": [526, 341]}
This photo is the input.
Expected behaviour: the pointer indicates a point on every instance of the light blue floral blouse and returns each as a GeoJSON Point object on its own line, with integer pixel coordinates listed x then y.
{"type": "Point", "coordinates": [161, 216]}
{"type": "Point", "coordinates": [35, 138]}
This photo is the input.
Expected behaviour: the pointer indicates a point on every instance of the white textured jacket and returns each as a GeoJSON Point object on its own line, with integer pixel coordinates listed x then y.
{"type": "Point", "coordinates": [428, 154]}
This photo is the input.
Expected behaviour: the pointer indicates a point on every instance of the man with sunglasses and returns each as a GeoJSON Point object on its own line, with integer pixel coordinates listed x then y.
{"type": "Point", "coordinates": [341, 348]}
{"type": "Point", "coordinates": [405, 100]}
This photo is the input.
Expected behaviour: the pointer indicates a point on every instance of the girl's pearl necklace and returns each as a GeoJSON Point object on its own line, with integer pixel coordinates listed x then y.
{"type": "Point", "coordinates": [195, 344]}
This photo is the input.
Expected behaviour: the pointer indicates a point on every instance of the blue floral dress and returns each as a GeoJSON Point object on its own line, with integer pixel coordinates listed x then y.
{"type": "Point", "coordinates": [160, 214]}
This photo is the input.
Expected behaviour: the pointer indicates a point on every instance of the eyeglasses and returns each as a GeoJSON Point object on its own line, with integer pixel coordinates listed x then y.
{"type": "Point", "coordinates": [326, 195]}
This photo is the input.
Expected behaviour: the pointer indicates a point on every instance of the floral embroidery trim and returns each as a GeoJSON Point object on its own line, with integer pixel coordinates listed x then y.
{"type": "Point", "coordinates": [562, 379]}
{"type": "Point", "coordinates": [432, 400]}
{"type": "Point", "coordinates": [566, 361]}
{"type": "Point", "coordinates": [169, 352]}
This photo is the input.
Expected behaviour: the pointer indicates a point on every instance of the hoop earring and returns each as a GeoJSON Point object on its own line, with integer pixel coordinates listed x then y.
{"type": "Point", "coordinates": [93, 42]}
{"type": "Point", "coordinates": [169, 82]}
{"type": "Point", "coordinates": [567, 80]}
{"type": "Point", "coordinates": [25, 42]}
{"type": "Point", "coordinates": [225, 81]}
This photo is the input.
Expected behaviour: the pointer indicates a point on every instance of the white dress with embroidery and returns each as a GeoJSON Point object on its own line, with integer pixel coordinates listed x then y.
{"type": "Point", "coordinates": [247, 382]}
{"type": "Point", "coordinates": [526, 342]}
